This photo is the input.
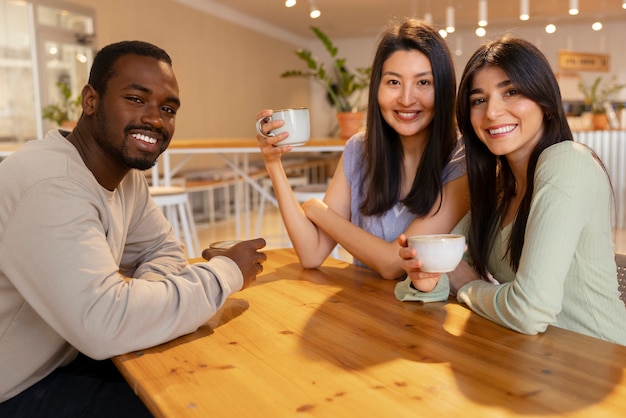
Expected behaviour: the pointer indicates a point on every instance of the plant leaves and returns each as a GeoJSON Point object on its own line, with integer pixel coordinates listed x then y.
{"type": "Point", "coordinates": [341, 84]}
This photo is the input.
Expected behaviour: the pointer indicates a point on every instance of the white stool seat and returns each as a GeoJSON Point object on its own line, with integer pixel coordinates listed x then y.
{"type": "Point", "coordinates": [175, 201]}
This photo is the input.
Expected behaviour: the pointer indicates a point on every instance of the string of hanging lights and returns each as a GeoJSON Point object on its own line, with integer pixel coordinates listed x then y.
{"type": "Point", "coordinates": [450, 19]}
{"type": "Point", "coordinates": [524, 15]}
{"type": "Point", "coordinates": [524, 10]}
{"type": "Point", "coordinates": [482, 13]}
{"type": "Point", "coordinates": [314, 11]}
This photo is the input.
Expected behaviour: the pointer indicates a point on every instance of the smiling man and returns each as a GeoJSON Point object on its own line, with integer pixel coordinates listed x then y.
{"type": "Point", "coordinates": [89, 266]}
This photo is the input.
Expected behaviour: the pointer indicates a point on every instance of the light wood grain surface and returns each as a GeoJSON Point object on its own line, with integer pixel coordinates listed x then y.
{"type": "Point", "coordinates": [334, 342]}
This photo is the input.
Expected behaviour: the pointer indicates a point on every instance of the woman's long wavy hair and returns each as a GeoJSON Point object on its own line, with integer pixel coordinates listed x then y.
{"type": "Point", "coordinates": [491, 182]}
{"type": "Point", "coordinates": [383, 149]}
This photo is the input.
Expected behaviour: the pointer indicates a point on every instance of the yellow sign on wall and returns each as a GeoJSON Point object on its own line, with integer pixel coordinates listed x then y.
{"type": "Point", "coordinates": [581, 61]}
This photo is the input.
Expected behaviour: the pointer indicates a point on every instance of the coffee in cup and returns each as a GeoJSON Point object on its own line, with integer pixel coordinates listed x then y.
{"type": "Point", "coordinates": [296, 123]}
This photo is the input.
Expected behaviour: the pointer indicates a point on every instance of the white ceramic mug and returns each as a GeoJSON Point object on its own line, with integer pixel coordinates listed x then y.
{"type": "Point", "coordinates": [438, 253]}
{"type": "Point", "coordinates": [223, 245]}
{"type": "Point", "coordinates": [296, 123]}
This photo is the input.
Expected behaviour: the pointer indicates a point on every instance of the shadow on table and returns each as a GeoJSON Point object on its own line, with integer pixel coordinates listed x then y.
{"type": "Point", "coordinates": [354, 330]}
{"type": "Point", "coordinates": [232, 308]}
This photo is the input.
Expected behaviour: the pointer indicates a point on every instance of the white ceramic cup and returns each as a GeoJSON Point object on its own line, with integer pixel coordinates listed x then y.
{"type": "Point", "coordinates": [296, 123]}
{"type": "Point", "coordinates": [438, 253]}
{"type": "Point", "coordinates": [223, 245]}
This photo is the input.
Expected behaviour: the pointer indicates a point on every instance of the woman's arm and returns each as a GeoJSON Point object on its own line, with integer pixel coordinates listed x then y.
{"type": "Point", "coordinates": [378, 254]}
{"type": "Point", "coordinates": [571, 198]}
{"type": "Point", "coordinates": [310, 243]}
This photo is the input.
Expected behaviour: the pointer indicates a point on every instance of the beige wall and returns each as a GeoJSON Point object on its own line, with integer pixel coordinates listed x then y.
{"type": "Point", "coordinates": [226, 73]}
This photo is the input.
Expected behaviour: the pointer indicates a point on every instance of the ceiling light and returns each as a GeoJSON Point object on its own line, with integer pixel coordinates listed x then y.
{"type": "Point", "coordinates": [480, 32]}
{"type": "Point", "coordinates": [443, 33]}
{"type": "Point", "coordinates": [524, 13]}
{"type": "Point", "coordinates": [450, 19]}
{"type": "Point", "coordinates": [550, 28]}
{"type": "Point", "coordinates": [290, 3]}
{"type": "Point", "coordinates": [428, 17]}
{"type": "Point", "coordinates": [623, 4]}
{"type": "Point", "coordinates": [573, 7]}
{"type": "Point", "coordinates": [482, 12]}
{"type": "Point", "coordinates": [596, 26]}
{"type": "Point", "coordinates": [315, 11]}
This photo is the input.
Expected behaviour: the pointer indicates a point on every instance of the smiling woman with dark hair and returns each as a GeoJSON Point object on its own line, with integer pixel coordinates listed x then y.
{"type": "Point", "coordinates": [404, 175]}
{"type": "Point", "coordinates": [540, 205]}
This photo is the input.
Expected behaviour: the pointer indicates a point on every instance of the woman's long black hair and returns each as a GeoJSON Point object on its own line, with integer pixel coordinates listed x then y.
{"type": "Point", "coordinates": [383, 150]}
{"type": "Point", "coordinates": [491, 182]}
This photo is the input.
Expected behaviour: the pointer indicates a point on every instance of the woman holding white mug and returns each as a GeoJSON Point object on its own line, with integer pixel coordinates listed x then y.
{"type": "Point", "coordinates": [540, 244]}
{"type": "Point", "coordinates": [404, 174]}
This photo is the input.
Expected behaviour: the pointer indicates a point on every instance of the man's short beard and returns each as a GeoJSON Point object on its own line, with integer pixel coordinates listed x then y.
{"type": "Point", "coordinates": [121, 152]}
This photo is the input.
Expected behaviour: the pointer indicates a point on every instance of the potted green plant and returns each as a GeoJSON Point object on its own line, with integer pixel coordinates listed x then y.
{"type": "Point", "coordinates": [65, 112]}
{"type": "Point", "coordinates": [343, 87]}
{"type": "Point", "coordinates": [596, 95]}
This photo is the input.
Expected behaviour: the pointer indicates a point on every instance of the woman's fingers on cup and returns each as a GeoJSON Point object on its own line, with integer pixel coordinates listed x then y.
{"type": "Point", "coordinates": [415, 264]}
{"type": "Point", "coordinates": [407, 253]}
{"type": "Point", "coordinates": [412, 265]}
{"type": "Point", "coordinates": [264, 114]}
{"type": "Point", "coordinates": [265, 126]}
{"type": "Point", "coordinates": [273, 124]}
{"type": "Point", "coordinates": [402, 240]}
{"type": "Point", "coordinates": [272, 140]}
{"type": "Point", "coordinates": [262, 126]}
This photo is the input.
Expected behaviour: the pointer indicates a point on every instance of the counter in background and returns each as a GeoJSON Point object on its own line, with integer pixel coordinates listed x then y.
{"type": "Point", "coordinates": [611, 148]}
{"type": "Point", "coordinates": [235, 153]}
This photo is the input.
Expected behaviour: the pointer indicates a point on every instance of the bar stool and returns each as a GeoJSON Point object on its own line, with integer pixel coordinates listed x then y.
{"type": "Point", "coordinates": [175, 202]}
{"type": "Point", "coordinates": [313, 191]}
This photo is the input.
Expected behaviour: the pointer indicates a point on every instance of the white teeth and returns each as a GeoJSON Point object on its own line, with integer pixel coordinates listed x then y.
{"type": "Point", "coordinates": [145, 138]}
{"type": "Point", "coordinates": [406, 114]}
{"type": "Point", "coordinates": [503, 130]}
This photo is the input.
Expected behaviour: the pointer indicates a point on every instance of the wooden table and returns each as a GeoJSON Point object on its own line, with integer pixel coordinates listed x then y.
{"type": "Point", "coordinates": [334, 342]}
{"type": "Point", "coordinates": [235, 153]}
